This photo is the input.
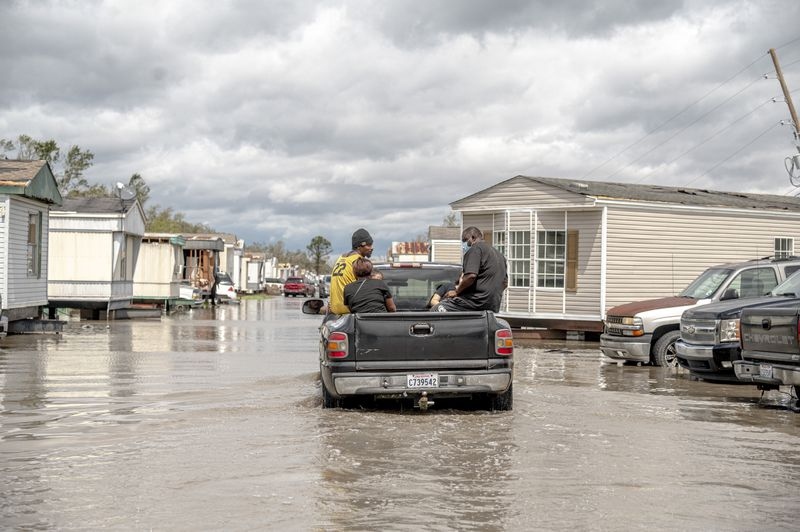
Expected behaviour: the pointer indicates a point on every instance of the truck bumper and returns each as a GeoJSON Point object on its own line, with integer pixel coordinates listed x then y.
{"type": "Point", "coordinates": [709, 362]}
{"type": "Point", "coordinates": [450, 383]}
{"type": "Point", "coordinates": [635, 349]}
{"type": "Point", "coordinates": [767, 373]}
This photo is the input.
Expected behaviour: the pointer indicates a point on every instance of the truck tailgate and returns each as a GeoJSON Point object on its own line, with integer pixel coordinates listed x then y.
{"type": "Point", "coordinates": [423, 336]}
{"type": "Point", "coordinates": [772, 329]}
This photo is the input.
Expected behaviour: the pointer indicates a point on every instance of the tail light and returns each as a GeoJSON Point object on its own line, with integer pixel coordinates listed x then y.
{"type": "Point", "coordinates": [503, 342]}
{"type": "Point", "coordinates": [337, 345]}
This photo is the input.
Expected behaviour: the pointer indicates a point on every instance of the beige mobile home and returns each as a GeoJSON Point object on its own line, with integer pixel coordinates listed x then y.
{"type": "Point", "coordinates": [576, 248]}
{"type": "Point", "coordinates": [159, 268]}
{"type": "Point", "coordinates": [94, 246]}
{"type": "Point", "coordinates": [27, 190]}
{"type": "Point", "coordinates": [445, 244]}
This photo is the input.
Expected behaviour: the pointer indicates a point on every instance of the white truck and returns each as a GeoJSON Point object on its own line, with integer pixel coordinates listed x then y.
{"type": "Point", "coordinates": [646, 331]}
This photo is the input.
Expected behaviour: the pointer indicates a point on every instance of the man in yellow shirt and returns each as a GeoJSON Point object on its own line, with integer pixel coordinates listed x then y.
{"type": "Point", "coordinates": [343, 274]}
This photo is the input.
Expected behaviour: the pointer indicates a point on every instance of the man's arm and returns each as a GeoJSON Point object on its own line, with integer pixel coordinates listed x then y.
{"type": "Point", "coordinates": [467, 280]}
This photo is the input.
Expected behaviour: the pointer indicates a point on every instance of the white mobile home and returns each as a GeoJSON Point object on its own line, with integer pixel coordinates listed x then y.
{"type": "Point", "coordinates": [576, 248]}
{"type": "Point", "coordinates": [159, 268]}
{"type": "Point", "coordinates": [27, 190]}
{"type": "Point", "coordinates": [94, 246]}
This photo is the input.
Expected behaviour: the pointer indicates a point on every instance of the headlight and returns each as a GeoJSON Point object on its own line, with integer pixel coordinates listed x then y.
{"type": "Point", "coordinates": [626, 326]}
{"type": "Point", "coordinates": [729, 330]}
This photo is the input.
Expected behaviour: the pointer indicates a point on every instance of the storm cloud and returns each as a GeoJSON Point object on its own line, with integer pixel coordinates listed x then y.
{"type": "Point", "coordinates": [288, 119]}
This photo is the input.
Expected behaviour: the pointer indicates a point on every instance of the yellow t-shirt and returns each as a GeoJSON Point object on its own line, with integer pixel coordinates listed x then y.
{"type": "Point", "coordinates": [341, 276]}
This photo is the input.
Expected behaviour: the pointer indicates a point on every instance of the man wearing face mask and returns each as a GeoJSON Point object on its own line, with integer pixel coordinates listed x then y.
{"type": "Point", "coordinates": [483, 278]}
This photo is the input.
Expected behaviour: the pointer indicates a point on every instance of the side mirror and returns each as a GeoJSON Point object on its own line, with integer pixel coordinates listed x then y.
{"type": "Point", "coordinates": [730, 293]}
{"type": "Point", "coordinates": [314, 306]}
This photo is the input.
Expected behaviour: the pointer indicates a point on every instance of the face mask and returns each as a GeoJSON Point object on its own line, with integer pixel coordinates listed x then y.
{"type": "Point", "coordinates": [464, 247]}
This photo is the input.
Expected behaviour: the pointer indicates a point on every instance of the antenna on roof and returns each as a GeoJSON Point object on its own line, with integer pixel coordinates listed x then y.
{"type": "Point", "coordinates": [124, 193]}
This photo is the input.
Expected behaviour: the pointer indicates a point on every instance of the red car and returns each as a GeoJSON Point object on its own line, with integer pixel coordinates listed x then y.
{"type": "Point", "coordinates": [297, 286]}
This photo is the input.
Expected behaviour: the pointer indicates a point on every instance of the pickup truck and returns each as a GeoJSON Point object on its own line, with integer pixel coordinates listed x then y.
{"type": "Point", "coordinates": [414, 355]}
{"type": "Point", "coordinates": [710, 339]}
{"type": "Point", "coordinates": [646, 331]}
{"type": "Point", "coordinates": [770, 351]}
{"type": "Point", "coordinates": [297, 286]}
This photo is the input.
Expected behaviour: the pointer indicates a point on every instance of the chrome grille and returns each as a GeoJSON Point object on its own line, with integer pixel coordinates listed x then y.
{"type": "Point", "coordinates": [699, 331]}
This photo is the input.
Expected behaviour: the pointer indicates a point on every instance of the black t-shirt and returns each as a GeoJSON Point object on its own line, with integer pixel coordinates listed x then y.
{"type": "Point", "coordinates": [366, 295]}
{"type": "Point", "coordinates": [489, 266]}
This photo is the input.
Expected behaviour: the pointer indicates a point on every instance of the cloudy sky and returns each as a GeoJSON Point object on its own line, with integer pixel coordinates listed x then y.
{"type": "Point", "coordinates": [286, 119]}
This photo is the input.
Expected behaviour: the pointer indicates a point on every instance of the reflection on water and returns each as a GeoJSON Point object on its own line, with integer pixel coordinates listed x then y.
{"type": "Point", "coordinates": [212, 419]}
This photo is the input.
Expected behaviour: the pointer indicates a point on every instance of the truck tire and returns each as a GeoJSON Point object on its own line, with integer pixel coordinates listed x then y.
{"type": "Point", "coordinates": [328, 401]}
{"type": "Point", "coordinates": [504, 401]}
{"type": "Point", "coordinates": [664, 350]}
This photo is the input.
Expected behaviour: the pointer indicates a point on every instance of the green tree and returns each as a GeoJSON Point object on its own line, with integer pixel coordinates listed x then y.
{"type": "Point", "coordinates": [76, 163]}
{"type": "Point", "coordinates": [167, 221]}
{"type": "Point", "coordinates": [138, 185]}
{"type": "Point", "coordinates": [318, 252]}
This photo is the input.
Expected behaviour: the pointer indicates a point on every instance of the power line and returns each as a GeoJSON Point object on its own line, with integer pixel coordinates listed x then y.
{"type": "Point", "coordinates": [770, 128]}
{"type": "Point", "coordinates": [673, 117]}
{"type": "Point", "coordinates": [708, 139]}
{"type": "Point", "coordinates": [651, 150]}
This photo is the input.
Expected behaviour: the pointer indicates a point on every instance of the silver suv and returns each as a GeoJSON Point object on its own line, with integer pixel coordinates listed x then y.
{"type": "Point", "coordinates": [646, 331]}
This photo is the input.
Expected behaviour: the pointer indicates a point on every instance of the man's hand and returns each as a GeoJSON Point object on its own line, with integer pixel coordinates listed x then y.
{"type": "Point", "coordinates": [450, 293]}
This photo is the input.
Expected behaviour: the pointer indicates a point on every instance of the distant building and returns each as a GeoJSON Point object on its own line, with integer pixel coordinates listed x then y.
{"type": "Point", "coordinates": [444, 244]}
{"type": "Point", "coordinates": [408, 252]}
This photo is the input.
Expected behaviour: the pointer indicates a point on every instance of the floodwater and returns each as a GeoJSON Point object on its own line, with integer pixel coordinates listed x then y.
{"type": "Point", "coordinates": [212, 420]}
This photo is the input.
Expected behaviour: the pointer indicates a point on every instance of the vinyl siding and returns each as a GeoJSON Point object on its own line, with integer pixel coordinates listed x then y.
{"type": "Point", "coordinates": [81, 256]}
{"type": "Point", "coordinates": [584, 303]}
{"type": "Point", "coordinates": [21, 290]}
{"type": "Point", "coordinates": [4, 202]}
{"type": "Point", "coordinates": [658, 252]}
{"type": "Point", "coordinates": [519, 192]}
{"type": "Point", "coordinates": [154, 275]}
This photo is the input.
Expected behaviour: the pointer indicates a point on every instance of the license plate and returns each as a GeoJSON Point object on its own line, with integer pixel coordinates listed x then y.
{"type": "Point", "coordinates": [765, 370]}
{"type": "Point", "coordinates": [422, 380]}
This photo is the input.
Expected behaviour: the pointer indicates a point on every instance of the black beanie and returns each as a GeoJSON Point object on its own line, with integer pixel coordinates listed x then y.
{"type": "Point", "coordinates": [361, 237]}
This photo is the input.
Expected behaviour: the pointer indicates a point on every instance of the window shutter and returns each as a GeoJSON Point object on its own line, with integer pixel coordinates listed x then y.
{"type": "Point", "coordinates": [572, 261]}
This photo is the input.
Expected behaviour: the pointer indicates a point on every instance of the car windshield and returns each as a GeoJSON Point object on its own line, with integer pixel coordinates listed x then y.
{"type": "Point", "coordinates": [224, 278]}
{"type": "Point", "coordinates": [790, 287]}
{"type": "Point", "coordinates": [707, 284]}
{"type": "Point", "coordinates": [412, 287]}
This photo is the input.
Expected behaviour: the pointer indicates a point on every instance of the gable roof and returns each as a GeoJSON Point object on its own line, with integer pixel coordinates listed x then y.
{"type": "Point", "coordinates": [31, 179]}
{"type": "Point", "coordinates": [603, 190]}
{"type": "Point", "coordinates": [95, 205]}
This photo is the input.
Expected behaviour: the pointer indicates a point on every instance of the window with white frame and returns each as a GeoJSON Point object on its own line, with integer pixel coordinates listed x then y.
{"type": "Point", "coordinates": [784, 247]}
{"type": "Point", "coordinates": [551, 256]}
{"type": "Point", "coordinates": [519, 258]}
{"type": "Point", "coordinates": [34, 244]}
{"type": "Point", "coordinates": [499, 241]}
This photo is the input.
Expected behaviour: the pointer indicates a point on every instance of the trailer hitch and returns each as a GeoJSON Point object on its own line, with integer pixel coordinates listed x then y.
{"type": "Point", "coordinates": [423, 403]}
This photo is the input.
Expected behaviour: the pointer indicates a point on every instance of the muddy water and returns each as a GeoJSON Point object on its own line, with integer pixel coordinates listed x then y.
{"type": "Point", "coordinates": [212, 420]}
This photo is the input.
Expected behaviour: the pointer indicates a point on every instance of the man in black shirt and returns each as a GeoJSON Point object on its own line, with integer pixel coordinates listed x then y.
{"type": "Point", "coordinates": [483, 279]}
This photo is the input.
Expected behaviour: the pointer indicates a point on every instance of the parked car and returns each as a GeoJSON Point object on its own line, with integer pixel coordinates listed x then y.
{"type": "Point", "coordinates": [225, 289]}
{"type": "Point", "coordinates": [297, 286]}
{"type": "Point", "coordinates": [710, 334]}
{"type": "Point", "coordinates": [414, 355]}
{"type": "Point", "coordinates": [646, 331]}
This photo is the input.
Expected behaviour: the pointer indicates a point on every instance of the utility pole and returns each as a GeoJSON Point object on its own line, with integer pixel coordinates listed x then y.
{"type": "Point", "coordinates": [792, 162]}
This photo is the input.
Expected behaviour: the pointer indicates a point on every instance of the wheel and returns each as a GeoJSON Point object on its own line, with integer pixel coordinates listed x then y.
{"type": "Point", "coordinates": [503, 401]}
{"type": "Point", "coordinates": [664, 350]}
{"type": "Point", "coordinates": [328, 401]}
